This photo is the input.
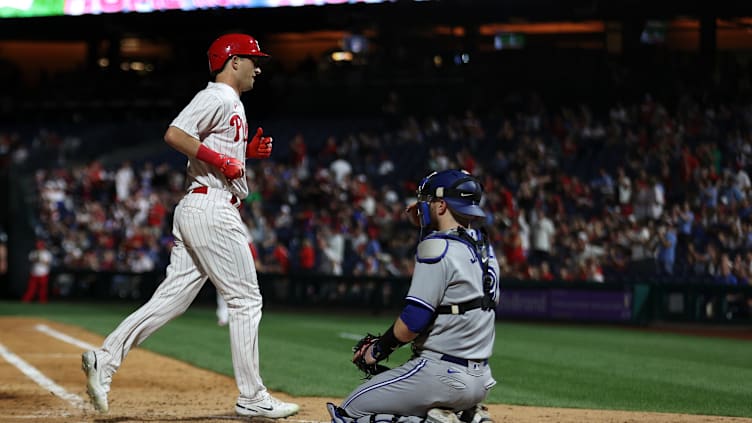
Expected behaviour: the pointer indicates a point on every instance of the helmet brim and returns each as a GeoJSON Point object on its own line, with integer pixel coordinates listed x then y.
{"type": "Point", "coordinates": [461, 207]}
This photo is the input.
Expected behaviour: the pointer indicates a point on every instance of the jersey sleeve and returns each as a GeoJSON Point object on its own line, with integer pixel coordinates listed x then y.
{"type": "Point", "coordinates": [428, 284]}
{"type": "Point", "coordinates": [200, 115]}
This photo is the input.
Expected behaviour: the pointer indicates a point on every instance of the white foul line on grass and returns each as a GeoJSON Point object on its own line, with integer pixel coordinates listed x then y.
{"type": "Point", "coordinates": [65, 338]}
{"type": "Point", "coordinates": [41, 380]}
{"type": "Point", "coordinates": [353, 336]}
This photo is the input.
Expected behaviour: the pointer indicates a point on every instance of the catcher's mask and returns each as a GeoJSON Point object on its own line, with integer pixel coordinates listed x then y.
{"type": "Point", "coordinates": [229, 45]}
{"type": "Point", "coordinates": [460, 190]}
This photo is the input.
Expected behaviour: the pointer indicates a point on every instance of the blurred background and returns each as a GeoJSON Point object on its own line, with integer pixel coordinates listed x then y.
{"type": "Point", "coordinates": [613, 138]}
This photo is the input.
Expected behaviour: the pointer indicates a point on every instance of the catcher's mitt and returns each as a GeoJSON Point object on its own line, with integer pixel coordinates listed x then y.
{"type": "Point", "coordinates": [359, 359]}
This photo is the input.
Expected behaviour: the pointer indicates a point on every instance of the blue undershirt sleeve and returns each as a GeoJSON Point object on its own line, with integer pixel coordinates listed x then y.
{"type": "Point", "coordinates": [416, 316]}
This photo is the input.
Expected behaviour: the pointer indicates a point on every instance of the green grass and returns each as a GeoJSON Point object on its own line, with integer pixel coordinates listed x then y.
{"type": "Point", "coordinates": [542, 365]}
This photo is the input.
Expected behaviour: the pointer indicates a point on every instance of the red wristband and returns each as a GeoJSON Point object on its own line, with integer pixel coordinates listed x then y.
{"type": "Point", "coordinates": [208, 155]}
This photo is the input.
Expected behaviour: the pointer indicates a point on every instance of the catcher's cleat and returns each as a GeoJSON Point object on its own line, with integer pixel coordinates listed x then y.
{"type": "Point", "coordinates": [338, 415]}
{"type": "Point", "coordinates": [478, 414]}
{"type": "Point", "coordinates": [96, 384]}
{"type": "Point", "coordinates": [440, 415]}
{"type": "Point", "coordinates": [270, 407]}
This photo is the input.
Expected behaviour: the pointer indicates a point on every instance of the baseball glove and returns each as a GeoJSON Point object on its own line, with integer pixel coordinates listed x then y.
{"type": "Point", "coordinates": [360, 349]}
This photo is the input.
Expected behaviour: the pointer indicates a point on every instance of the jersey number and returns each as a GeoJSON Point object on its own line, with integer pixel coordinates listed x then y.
{"type": "Point", "coordinates": [240, 128]}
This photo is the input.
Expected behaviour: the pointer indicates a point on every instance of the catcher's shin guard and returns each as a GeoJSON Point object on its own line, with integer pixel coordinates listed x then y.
{"type": "Point", "coordinates": [339, 415]}
{"type": "Point", "coordinates": [477, 414]}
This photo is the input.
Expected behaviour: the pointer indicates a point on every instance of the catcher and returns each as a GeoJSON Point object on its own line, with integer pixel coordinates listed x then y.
{"type": "Point", "coordinates": [449, 317]}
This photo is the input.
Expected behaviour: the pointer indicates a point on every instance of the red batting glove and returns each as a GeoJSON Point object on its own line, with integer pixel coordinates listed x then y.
{"type": "Point", "coordinates": [231, 167]}
{"type": "Point", "coordinates": [260, 146]}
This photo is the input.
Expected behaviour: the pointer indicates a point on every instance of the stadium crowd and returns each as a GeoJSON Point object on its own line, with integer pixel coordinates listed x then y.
{"type": "Point", "coordinates": [635, 191]}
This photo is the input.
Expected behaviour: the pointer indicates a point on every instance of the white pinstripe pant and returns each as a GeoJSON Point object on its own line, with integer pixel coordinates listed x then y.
{"type": "Point", "coordinates": [210, 242]}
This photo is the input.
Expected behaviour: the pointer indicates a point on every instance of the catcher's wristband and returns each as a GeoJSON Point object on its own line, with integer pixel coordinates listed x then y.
{"type": "Point", "coordinates": [386, 344]}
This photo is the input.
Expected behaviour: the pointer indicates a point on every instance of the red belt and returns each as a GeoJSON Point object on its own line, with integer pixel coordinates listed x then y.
{"type": "Point", "coordinates": [203, 190]}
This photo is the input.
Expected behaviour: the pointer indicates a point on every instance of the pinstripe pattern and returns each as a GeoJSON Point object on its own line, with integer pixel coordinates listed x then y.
{"type": "Point", "coordinates": [216, 116]}
{"type": "Point", "coordinates": [211, 242]}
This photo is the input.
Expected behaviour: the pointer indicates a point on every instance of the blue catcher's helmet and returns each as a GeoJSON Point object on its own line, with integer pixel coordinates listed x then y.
{"type": "Point", "coordinates": [461, 191]}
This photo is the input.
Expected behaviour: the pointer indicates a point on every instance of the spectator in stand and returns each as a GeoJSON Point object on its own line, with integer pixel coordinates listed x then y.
{"type": "Point", "coordinates": [585, 250]}
{"type": "Point", "coordinates": [281, 257]}
{"type": "Point", "coordinates": [342, 170]}
{"type": "Point", "coordinates": [742, 180]}
{"type": "Point", "coordinates": [726, 275]}
{"type": "Point", "coordinates": [666, 256]}
{"type": "Point", "coordinates": [685, 219]}
{"type": "Point", "coordinates": [307, 256]}
{"type": "Point", "coordinates": [642, 262]}
{"type": "Point", "coordinates": [624, 191]}
{"type": "Point", "coordinates": [591, 270]}
{"type": "Point", "coordinates": [542, 233]}
{"type": "Point", "coordinates": [524, 231]}
{"type": "Point", "coordinates": [741, 270]}
{"type": "Point", "coordinates": [545, 272]}
{"type": "Point", "coordinates": [730, 194]}
{"type": "Point", "coordinates": [513, 251]}
{"type": "Point", "coordinates": [41, 261]}
{"type": "Point", "coordinates": [124, 181]}
{"type": "Point", "coordinates": [332, 245]}
{"type": "Point", "coordinates": [604, 186]}
{"type": "Point", "coordinates": [657, 200]}
{"type": "Point", "coordinates": [708, 192]}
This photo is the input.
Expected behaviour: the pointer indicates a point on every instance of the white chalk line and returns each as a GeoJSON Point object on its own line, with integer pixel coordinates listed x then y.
{"type": "Point", "coordinates": [32, 373]}
{"type": "Point", "coordinates": [353, 336]}
{"type": "Point", "coordinates": [65, 338]}
{"type": "Point", "coordinates": [86, 346]}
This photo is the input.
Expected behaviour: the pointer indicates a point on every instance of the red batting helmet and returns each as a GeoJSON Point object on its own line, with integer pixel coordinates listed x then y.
{"type": "Point", "coordinates": [229, 45]}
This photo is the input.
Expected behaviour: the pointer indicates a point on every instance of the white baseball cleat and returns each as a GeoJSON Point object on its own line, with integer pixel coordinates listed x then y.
{"type": "Point", "coordinates": [270, 407]}
{"type": "Point", "coordinates": [440, 415]}
{"type": "Point", "coordinates": [96, 385]}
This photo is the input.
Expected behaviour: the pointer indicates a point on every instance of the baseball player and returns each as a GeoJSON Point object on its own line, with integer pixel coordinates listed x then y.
{"type": "Point", "coordinates": [449, 317]}
{"type": "Point", "coordinates": [210, 238]}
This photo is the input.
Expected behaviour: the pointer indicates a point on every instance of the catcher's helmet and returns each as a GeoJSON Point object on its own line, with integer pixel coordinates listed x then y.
{"type": "Point", "coordinates": [229, 45]}
{"type": "Point", "coordinates": [461, 191]}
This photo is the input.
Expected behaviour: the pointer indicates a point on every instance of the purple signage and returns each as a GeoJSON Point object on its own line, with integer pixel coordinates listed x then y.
{"type": "Point", "coordinates": [566, 304]}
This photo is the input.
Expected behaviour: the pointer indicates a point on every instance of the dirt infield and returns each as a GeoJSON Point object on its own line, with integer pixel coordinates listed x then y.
{"type": "Point", "coordinates": [41, 381]}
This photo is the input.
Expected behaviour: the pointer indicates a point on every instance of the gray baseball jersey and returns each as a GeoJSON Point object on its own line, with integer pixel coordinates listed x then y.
{"type": "Point", "coordinates": [449, 368]}
{"type": "Point", "coordinates": [211, 241]}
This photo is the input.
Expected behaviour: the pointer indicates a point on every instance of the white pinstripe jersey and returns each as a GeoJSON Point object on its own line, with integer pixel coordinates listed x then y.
{"type": "Point", "coordinates": [216, 117]}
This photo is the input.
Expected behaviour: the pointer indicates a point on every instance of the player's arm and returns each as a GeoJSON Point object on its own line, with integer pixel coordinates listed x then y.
{"type": "Point", "coordinates": [413, 320]}
{"type": "Point", "coordinates": [180, 140]}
